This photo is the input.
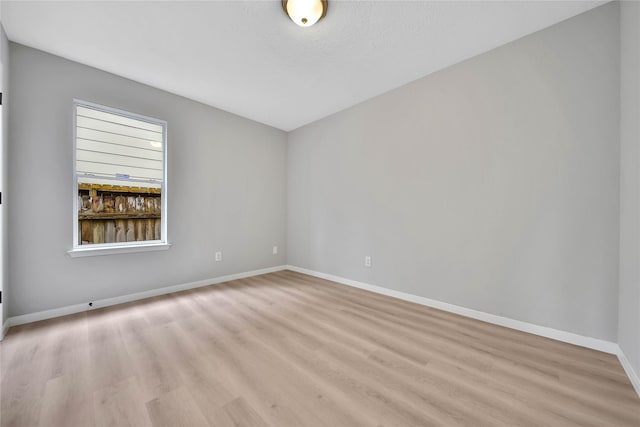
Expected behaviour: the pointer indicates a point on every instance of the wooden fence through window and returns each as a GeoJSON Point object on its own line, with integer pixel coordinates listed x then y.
{"type": "Point", "coordinates": [110, 214]}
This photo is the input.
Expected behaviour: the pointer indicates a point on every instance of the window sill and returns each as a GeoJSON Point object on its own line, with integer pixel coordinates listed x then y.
{"type": "Point", "coordinates": [117, 249]}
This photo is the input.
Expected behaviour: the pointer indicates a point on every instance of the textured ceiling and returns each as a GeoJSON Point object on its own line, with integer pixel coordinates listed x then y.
{"type": "Point", "coordinates": [248, 58]}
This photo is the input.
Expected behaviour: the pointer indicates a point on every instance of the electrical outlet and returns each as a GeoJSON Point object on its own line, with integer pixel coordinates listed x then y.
{"type": "Point", "coordinates": [218, 256]}
{"type": "Point", "coordinates": [275, 250]}
{"type": "Point", "coordinates": [367, 261]}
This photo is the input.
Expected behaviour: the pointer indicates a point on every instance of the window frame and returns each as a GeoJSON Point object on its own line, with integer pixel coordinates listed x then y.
{"type": "Point", "coordinates": [78, 250]}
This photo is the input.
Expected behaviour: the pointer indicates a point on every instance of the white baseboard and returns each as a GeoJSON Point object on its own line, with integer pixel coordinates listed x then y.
{"type": "Point", "coordinates": [4, 330]}
{"type": "Point", "coordinates": [77, 308]}
{"type": "Point", "coordinates": [631, 373]}
{"type": "Point", "coordinates": [568, 337]}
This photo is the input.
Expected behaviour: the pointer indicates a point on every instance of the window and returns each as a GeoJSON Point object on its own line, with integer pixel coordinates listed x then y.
{"type": "Point", "coordinates": [120, 179]}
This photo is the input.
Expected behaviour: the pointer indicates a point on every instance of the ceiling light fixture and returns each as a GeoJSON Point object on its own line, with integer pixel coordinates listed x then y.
{"type": "Point", "coordinates": [305, 12]}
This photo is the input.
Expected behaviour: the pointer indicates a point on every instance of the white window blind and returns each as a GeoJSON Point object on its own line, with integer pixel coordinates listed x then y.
{"type": "Point", "coordinates": [116, 149]}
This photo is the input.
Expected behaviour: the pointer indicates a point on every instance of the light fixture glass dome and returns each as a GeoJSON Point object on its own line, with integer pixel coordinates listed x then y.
{"type": "Point", "coordinates": [305, 12]}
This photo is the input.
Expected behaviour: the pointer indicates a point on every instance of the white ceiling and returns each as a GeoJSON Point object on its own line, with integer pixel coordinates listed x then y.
{"type": "Point", "coordinates": [248, 58]}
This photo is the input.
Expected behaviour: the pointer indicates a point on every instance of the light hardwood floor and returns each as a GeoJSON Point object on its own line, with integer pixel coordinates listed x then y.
{"type": "Point", "coordinates": [286, 349]}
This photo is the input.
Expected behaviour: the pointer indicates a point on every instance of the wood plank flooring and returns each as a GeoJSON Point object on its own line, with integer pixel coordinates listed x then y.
{"type": "Point", "coordinates": [286, 349]}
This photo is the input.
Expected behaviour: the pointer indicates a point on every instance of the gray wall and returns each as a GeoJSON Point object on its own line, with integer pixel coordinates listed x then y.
{"type": "Point", "coordinates": [4, 57]}
{"type": "Point", "coordinates": [629, 327]}
{"type": "Point", "coordinates": [227, 188]}
{"type": "Point", "coordinates": [493, 184]}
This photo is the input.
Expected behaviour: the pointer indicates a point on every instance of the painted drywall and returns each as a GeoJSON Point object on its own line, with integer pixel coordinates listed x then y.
{"type": "Point", "coordinates": [226, 188]}
{"type": "Point", "coordinates": [492, 185]}
{"type": "Point", "coordinates": [4, 136]}
{"type": "Point", "coordinates": [629, 309]}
